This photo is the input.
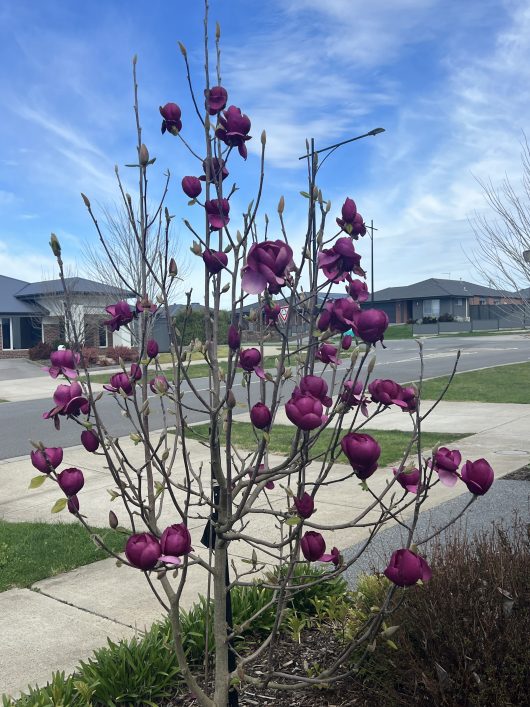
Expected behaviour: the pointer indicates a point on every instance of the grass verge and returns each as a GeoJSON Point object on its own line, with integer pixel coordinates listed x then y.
{"type": "Point", "coordinates": [393, 442]}
{"type": "Point", "coordinates": [30, 552]}
{"type": "Point", "coordinates": [502, 384]}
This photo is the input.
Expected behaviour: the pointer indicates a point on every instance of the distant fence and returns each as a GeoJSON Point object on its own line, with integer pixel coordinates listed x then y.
{"type": "Point", "coordinates": [473, 325]}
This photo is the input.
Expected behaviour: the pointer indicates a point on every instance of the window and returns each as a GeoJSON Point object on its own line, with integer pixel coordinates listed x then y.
{"type": "Point", "coordinates": [431, 307]}
{"type": "Point", "coordinates": [459, 302]}
{"type": "Point", "coordinates": [6, 333]}
{"type": "Point", "coordinates": [103, 335]}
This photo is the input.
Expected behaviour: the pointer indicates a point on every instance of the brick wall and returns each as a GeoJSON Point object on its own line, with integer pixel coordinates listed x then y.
{"type": "Point", "coordinates": [16, 353]}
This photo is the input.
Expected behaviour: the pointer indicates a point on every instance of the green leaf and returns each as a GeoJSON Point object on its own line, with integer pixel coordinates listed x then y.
{"type": "Point", "coordinates": [305, 194]}
{"type": "Point", "coordinates": [191, 202]}
{"type": "Point", "coordinates": [392, 645]}
{"type": "Point", "coordinates": [37, 481]}
{"type": "Point", "coordinates": [292, 521]}
{"type": "Point", "coordinates": [59, 505]}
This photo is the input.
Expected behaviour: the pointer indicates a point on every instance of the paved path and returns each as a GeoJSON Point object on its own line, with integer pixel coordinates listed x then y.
{"type": "Point", "coordinates": [63, 619]}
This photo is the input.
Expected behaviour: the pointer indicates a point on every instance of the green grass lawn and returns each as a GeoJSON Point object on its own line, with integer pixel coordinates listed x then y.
{"type": "Point", "coordinates": [502, 384]}
{"type": "Point", "coordinates": [393, 442]}
{"type": "Point", "coordinates": [398, 331]}
{"type": "Point", "coordinates": [30, 552]}
{"type": "Point", "coordinates": [196, 370]}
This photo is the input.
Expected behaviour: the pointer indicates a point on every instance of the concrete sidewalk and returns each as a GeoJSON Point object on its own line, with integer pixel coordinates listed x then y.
{"type": "Point", "coordinates": [61, 620]}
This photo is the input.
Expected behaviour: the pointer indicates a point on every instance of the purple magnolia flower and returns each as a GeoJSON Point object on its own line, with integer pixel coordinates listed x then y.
{"type": "Point", "coordinates": [312, 545]}
{"type": "Point", "coordinates": [171, 114]}
{"type": "Point", "coordinates": [357, 289]}
{"type": "Point", "coordinates": [317, 387]}
{"type": "Point", "coordinates": [89, 440]}
{"type": "Point", "coordinates": [409, 399]}
{"type": "Point", "coordinates": [234, 338]}
{"type": "Point", "coordinates": [152, 348]}
{"type": "Point", "coordinates": [216, 98]}
{"type": "Point", "coordinates": [145, 305]}
{"type": "Point", "coordinates": [217, 211]}
{"type": "Point", "coordinates": [410, 479]}
{"type": "Point", "coordinates": [351, 392]}
{"type": "Point", "coordinates": [64, 361]}
{"type": "Point", "coordinates": [215, 260]}
{"type": "Point", "coordinates": [268, 263]}
{"type": "Point", "coordinates": [191, 186]}
{"type": "Point", "coordinates": [233, 130]}
{"type": "Point", "coordinates": [121, 314]}
{"type": "Point", "coordinates": [305, 411]}
{"type": "Point", "coordinates": [143, 551]}
{"type": "Point", "coordinates": [363, 453]}
{"type": "Point", "coordinates": [174, 543]}
{"type": "Point", "coordinates": [351, 222]}
{"type": "Point", "coordinates": [124, 381]}
{"type": "Point", "coordinates": [214, 167]}
{"type": "Point", "coordinates": [334, 557]}
{"type": "Point", "coordinates": [249, 360]}
{"type": "Point", "coordinates": [327, 353]}
{"type": "Point", "coordinates": [71, 481]}
{"type": "Point", "coordinates": [159, 384]}
{"type": "Point", "coordinates": [73, 505]}
{"type": "Point", "coordinates": [269, 485]}
{"type": "Point", "coordinates": [352, 396]}
{"type": "Point", "coordinates": [48, 459]}
{"type": "Point", "coordinates": [446, 463]}
{"type": "Point", "coordinates": [305, 506]}
{"type": "Point", "coordinates": [271, 312]}
{"type": "Point", "coordinates": [260, 416]}
{"type": "Point", "coordinates": [406, 568]}
{"type": "Point", "coordinates": [340, 260]}
{"type": "Point", "coordinates": [338, 315]}
{"type": "Point", "coordinates": [346, 342]}
{"type": "Point", "coordinates": [370, 325]}
{"type": "Point", "coordinates": [477, 476]}
{"type": "Point", "coordinates": [69, 400]}
{"type": "Point", "coordinates": [386, 392]}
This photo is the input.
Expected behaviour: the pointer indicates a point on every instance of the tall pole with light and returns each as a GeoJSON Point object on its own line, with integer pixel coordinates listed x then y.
{"type": "Point", "coordinates": [329, 150]}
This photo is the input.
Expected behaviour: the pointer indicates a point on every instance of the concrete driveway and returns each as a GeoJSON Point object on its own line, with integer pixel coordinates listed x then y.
{"type": "Point", "coordinates": [17, 368]}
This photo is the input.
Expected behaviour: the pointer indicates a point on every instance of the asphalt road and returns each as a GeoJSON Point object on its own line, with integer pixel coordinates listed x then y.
{"type": "Point", "coordinates": [22, 421]}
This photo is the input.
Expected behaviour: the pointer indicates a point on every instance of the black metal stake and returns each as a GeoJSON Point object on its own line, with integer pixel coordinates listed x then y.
{"type": "Point", "coordinates": [208, 540]}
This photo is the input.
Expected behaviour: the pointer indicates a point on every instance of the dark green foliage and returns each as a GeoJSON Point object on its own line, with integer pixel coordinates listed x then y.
{"type": "Point", "coordinates": [191, 326]}
{"type": "Point", "coordinates": [141, 671]}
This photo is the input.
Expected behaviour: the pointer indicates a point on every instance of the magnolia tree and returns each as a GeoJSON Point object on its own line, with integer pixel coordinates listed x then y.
{"type": "Point", "coordinates": [324, 385]}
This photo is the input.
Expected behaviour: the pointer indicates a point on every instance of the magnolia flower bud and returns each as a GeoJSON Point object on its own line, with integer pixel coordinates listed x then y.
{"type": "Point", "coordinates": [182, 49]}
{"type": "Point", "coordinates": [113, 520]}
{"type": "Point", "coordinates": [143, 155]}
{"type": "Point", "coordinates": [173, 270]}
{"type": "Point", "coordinates": [281, 205]}
{"type": "Point", "coordinates": [55, 245]}
{"type": "Point", "coordinates": [196, 248]}
{"type": "Point", "coordinates": [263, 138]}
{"type": "Point", "coordinates": [230, 400]}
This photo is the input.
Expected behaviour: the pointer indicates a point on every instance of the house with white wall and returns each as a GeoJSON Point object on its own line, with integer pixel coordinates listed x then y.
{"type": "Point", "coordinates": [34, 312]}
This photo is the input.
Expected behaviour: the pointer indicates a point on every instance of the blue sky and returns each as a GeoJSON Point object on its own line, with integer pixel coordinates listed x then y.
{"type": "Point", "coordinates": [448, 80]}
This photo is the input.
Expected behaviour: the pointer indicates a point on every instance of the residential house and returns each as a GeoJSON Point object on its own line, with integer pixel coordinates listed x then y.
{"type": "Point", "coordinates": [33, 312]}
{"type": "Point", "coordinates": [435, 297]}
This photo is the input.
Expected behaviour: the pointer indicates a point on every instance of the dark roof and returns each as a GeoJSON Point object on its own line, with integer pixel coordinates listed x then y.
{"type": "Point", "coordinates": [9, 304]}
{"type": "Point", "coordinates": [436, 288]}
{"type": "Point", "coordinates": [76, 285]}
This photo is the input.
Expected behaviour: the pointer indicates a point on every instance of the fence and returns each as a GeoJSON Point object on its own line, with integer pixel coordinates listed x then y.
{"type": "Point", "coordinates": [472, 325]}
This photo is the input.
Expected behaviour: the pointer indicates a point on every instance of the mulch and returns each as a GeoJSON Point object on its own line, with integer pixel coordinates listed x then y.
{"type": "Point", "coordinates": [316, 648]}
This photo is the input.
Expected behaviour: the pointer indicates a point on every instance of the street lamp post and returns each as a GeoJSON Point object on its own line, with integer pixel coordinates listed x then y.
{"type": "Point", "coordinates": [371, 229]}
{"type": "Point", "coordinates": [329, 150]}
